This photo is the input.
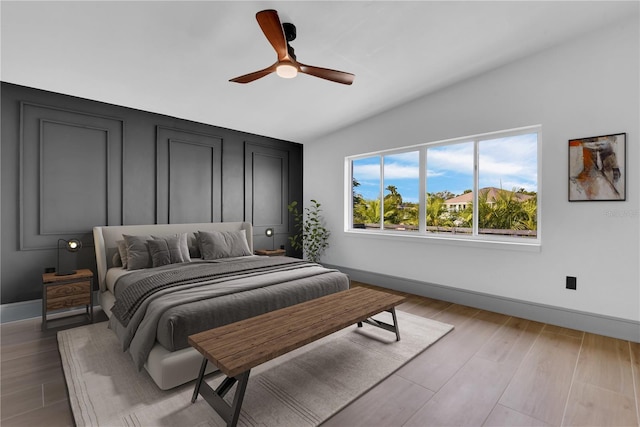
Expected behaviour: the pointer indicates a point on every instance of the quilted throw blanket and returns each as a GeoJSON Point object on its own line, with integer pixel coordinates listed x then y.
{"type": "Point", "coordinates": [142, 297]}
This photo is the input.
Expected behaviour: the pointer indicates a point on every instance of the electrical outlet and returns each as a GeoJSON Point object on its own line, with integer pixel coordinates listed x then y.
{"type": "Point", "coordinates": [571, 282]}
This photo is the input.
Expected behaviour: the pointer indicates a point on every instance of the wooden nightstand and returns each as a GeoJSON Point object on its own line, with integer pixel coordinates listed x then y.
{"type": "Point", "coordinates": [69, 291]}
{"type": "Point", "coordinates": [271, 252]}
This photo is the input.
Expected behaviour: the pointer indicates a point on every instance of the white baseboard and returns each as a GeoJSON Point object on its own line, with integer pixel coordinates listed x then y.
{"type": "Point", "coordinates": [589, 322]}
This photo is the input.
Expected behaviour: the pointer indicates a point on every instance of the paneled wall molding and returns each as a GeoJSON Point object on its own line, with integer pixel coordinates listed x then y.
{"type": "Point", "coordinates": [189, 176]}
{"type": "Point", "coordinates": [266, 187]}
{"type": "Point", "coordinates": [47, 226]}
{"type": "Point", "coordinates": [70, 174]}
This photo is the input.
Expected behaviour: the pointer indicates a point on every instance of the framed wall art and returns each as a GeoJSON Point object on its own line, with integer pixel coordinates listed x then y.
{"type": "Point", "coordinates": [597, 169]}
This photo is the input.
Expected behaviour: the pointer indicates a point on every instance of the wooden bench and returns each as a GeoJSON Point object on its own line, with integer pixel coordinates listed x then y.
{"type": "Point", "coordinates": [238, 347]}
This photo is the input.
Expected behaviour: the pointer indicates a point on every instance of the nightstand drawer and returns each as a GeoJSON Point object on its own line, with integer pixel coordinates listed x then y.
{"type": "Point", "coordinates": [68, 295]}
{"type": "Point", "coordinates": [68, 301]}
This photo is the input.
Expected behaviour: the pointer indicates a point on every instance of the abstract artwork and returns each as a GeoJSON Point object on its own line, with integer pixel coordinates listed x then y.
{"type": "Point", "coordinates": [597, 168]}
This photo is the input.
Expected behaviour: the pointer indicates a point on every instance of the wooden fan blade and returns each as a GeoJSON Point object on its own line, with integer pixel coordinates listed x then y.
{"type": "Point", "coordinates": [247, 78]}
{"type": "Point", "coordinates": [272, 28]}
{"type": "Point", "coordinates": [327, 74]}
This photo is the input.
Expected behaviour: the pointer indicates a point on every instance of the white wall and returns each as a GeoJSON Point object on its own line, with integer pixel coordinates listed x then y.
{"type": "Point", "coordinates": [587, 87]}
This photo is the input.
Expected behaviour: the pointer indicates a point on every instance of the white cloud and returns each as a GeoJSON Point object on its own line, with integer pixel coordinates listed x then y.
{"type": "Point", "coordinates": [400, 171]}
{"type": "Point", "coordinates": [457, 158]}
{"type": "Point", "coordinates": [364, 172]}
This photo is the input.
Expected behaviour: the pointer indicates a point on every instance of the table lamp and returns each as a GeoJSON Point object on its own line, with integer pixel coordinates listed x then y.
{"type": "Point", "coordinates": [67, 257]}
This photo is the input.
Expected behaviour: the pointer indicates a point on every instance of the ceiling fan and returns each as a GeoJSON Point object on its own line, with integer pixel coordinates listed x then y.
{"type": "Point", "coordinates": [287, 66]}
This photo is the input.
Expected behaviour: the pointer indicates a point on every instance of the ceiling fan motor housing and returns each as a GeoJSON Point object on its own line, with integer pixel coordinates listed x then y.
{"type": "Point", "coordinates": [289, 31]}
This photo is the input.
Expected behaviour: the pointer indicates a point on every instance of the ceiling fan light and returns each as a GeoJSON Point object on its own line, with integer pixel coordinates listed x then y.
{"type": "Point", "coordinates": [286, 71]}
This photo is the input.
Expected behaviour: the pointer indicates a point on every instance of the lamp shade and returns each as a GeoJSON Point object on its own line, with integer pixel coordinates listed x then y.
{"type": "Point", "coordinates": [268, 232]}
{"type": "Point", "coordinates": [73, 245]}
{"type": "Point", "coordinates": [67, 254]}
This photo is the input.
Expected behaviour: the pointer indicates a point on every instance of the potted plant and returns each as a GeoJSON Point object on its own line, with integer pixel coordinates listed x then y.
{"type": "Point", "coordinates": [311, 236]}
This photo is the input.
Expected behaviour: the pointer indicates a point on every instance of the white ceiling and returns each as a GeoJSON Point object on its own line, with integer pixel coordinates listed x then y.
{"type": "Point", "coordinates": [176, 57]}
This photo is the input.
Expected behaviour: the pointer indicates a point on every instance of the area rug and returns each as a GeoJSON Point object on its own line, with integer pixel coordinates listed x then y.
{"type": "Point", "coordinates": [301, 388]}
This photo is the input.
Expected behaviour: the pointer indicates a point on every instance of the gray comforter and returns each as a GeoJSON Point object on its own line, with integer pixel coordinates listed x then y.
{"type": "Point", "coordinates": [169, 303]}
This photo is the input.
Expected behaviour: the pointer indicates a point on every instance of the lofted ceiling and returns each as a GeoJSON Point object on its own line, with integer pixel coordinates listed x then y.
{"type": "Point", "coordinates": [176, 57]}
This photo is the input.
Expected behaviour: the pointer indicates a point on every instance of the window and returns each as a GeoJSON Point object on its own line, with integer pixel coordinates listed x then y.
{"type": "Point", "coordinates": [483, 187]}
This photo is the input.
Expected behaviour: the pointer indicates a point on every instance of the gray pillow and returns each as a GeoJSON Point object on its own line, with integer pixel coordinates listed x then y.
{"type": "Point", "coordinates": [116, 261]}
{"type": "Point", "coordinates": [122, 250]}
{"type": "Point", "coordinates": [193, 242]}
{"type": "Point", "coordinates": [223, 244]}
{"type": "Point", "coordinates": [180, 242]}
{"type": "Point", "coordinates": [137, 252]}
{"type": "Point", "coordinates": [164, 251]}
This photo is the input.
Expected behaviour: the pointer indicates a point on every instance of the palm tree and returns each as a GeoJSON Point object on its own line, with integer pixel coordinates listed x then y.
{"type": "Point", "coordinates": [435, 209]}
{"type": "Point", "coordinates": [367, 212]}
{"type": "Point", "coordinates": [530, 210]}
{"type": "Point", "coordinates": [392, 206]}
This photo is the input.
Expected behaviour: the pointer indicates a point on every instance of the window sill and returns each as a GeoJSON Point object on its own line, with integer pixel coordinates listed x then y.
{"type": "Point", "coordinates": [469, 241]}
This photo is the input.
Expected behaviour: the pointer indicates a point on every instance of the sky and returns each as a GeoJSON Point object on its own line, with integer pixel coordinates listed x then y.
{"type": "Point", "coordinates": [508, 163]}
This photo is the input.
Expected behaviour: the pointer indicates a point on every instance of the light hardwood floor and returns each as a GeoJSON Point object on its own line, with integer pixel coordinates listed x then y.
{"type": "Point", "coordinates": [491, 370]}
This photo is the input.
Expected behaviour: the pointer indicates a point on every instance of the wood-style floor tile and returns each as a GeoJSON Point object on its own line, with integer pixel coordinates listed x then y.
{"type": "Point", "coordinates": [540, 387]}
{"type": "Point", "coordinates": [467, 399]}
{"type": "Point", "coordinates": [510, 344]}
{"type": "Point", "coordinates": [54, 391]}
{"type": "Point", "coordinates": [589, 405]}
{"type": "Point", "coordinates": [425, 307]}
{"type": "Point", "coordinates": [390, 403]}
{"type": "Point", "coordinates": [605, 362]}
{"type": "Point", "coordinates": [634, 348]}
{"type": "Point", "coordinates": [56, 415]}
{"type": "Point", "coordinates": [21, 401]}
{"type": "Point", "coordinates": [471, 394]}
{"type": "Point", "coordinates": [42, 359]}
{"type": "Point", "coordinates": [435, 366]}
{"type": "Point", "coordinates": [27, 348]}
{"type": "Point", "coordinates": [37, 375]}
{"type": "Point", "coordinates": [501, 416]}
{"type": "Point", "coordinates": [563, 331]}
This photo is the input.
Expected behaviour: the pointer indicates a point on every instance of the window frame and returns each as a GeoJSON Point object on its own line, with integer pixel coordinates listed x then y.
{"type": "Point", "coordinates": [474, 239]}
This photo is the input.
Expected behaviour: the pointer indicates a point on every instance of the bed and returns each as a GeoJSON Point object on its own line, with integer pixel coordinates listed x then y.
{"type": "Point", "coordinates": [160, 283]}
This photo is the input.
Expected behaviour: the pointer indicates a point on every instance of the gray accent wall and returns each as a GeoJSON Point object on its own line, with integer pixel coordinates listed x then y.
{"type": "Point", "coordinates": [69, 164]}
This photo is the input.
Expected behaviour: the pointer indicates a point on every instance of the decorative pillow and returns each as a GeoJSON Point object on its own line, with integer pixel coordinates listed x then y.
{"type": "Point", "coordinates": [179, 243]}
{"type": "Point", "coordinates": [223, 244]}
{"type": "Point", "coordinates": [164, 251]}
{"type": "Point", "coordinates": [116, 261]}
{"type": "Point", "coordinates": [193, 242]}
{"type": "Point", "coordinates": [137, 252]}
{"type": "Point", "coordinates": [122, 250]}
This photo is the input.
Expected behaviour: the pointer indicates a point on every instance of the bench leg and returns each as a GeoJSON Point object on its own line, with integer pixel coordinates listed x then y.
{"type": "Point", "coordinates": [203, 367]}
{"type": "Point", "coordinates": [395, 323]}
{"type": "Point", "coordinates": [391, 328]}
{"type": "Point", "coordinates": [215, 398]}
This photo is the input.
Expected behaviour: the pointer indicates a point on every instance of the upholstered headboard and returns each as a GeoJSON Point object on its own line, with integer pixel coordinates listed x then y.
{"type": "Point", "coordinates": [105, 238]}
